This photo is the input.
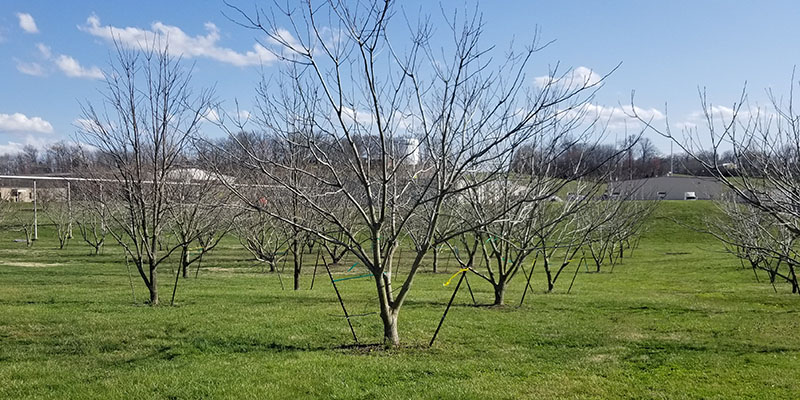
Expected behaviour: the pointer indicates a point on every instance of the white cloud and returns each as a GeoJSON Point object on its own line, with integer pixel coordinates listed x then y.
{"type": "Point", "coordinates": [27, 23]}
{"type": "Point", "coordinates": [11, 148]}
{"type": "Point", "coordinates": [67, 64]}
{"type": "Point", "coordinates": [352, 115]}
{"type": "Point", "coordinates": [284, 36]}
{"type": "Point", "coordinates": [179, 42]}
{"type": "Point", "coordinates": [686, 125]}
{"type": "Point", "coordinates": [14, 147]}
{"type": "Point", "coordinates": [574, 78]}
{"type": "Point", "coordinates": [72, 68]}
{"type": "Point", "coordinates": [211, 115]}
{"type": "Point", "coordinates": [18, 122]}
{"type": "Point", "coordinates": [31, 68]}
{"type": "Point", "coordinates": [725, 113]}
{"type": "Point", "coordinates": [721, 116]}
{"type": "Point", "coordinates": [406, 121]}
{"type": "Point", "coordinates": [44, 50]}
{"type": "Point", "coordinates": [17, 144]}
{"type": "Point", "coordinates": [618, 117]}
{"type": "Point", "coordinates": [84, 124]}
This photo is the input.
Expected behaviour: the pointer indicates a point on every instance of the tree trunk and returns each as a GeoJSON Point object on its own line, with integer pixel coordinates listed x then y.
{"type": "Point", "coordinates": [547, 272]}
{"type": "Point", "coordinates": [388, 313]}
{"type": "Point", "coordinates": [185, 262]}
{"type": "Point", "coordinates": [390, 335]}
{"type": "Point", "coordinates": [499, 293]}
{"type": "Point", "coordinates": [153, 286]}
{"type": "Point", "coordinates": [297, 261]}
{"type": "Point", "coordinates": [435, 259]}
{"type": "Point", "coordinates": [296, 277]}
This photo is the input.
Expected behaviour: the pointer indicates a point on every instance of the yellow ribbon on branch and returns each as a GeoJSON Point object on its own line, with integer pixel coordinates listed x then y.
{"type": "Point", "coordinates": [455, 275]}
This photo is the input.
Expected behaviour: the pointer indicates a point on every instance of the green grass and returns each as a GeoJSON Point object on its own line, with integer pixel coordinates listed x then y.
{"type": "Point", "coordinates": [679, 319]}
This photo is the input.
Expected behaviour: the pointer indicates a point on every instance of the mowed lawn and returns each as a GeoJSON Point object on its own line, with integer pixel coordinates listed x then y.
{"type": "Point", "coordinates": [678, 319]}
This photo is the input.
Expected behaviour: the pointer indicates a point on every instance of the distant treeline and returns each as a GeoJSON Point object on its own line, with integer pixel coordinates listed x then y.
{"type": "Point", "coordinates": [643, 160]}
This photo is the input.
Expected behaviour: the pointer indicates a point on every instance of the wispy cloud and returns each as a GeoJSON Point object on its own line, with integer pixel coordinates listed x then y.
{"type": "Point", "coordinates": [18, 144]}
{"type": "Point", "coordinates": [44, 50]}
{"type": "Point", "coordinates": [180, 43]}
{"type": "Point", "coordinates": [720, 116]}
{"type": "Point", "coordinates": [574, 78]}
{"type": "Point", "coordinates": [27, 23]}
{"type": "Point", "coordinates": [65, 63]}
{"type": "Point", "coordinates": [211, 115]}
{"type": "Point", "coordinates": [31, 68]}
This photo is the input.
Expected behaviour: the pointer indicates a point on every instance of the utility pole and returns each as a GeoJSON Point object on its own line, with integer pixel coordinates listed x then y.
{"type": "Point", "coordinates": [670, 160]}
{"type": "Point", "coordinates": [69, 209]}
{"type": "Point", "coordinates": [35, 213]}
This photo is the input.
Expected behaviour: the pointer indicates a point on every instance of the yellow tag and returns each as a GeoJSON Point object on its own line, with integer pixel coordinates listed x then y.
{"type": "Point", "coordinates": [454, 275]}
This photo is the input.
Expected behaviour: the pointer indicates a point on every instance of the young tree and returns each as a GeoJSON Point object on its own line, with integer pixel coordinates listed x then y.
{"type": "Point", "coordinates": [752, 235]}
{"type": "Point", "coordinates": [25, 225]}
{"type": "Point", "coordinates": [562, 233]}
{"type": "Point", "coordinates": [6, 211]}
{"type": "Point", "coordinates": [613, 220]}
{"type": "Point", "coordinates": [261, 236]}
{"type": "Point", "coordinates": [57, 208]}
{"type": "Point", "coordinates": [200, 214]}
{"type": "Point", "coordinates": [92, 221]}
{"type": "Point", "coordinates": [143, 128]}
{"type": "Point", "coordinates": [761, 147]}
{"type": "Point", "coordinates": [393, 135]}
{"type": "Point", "coordinates": [511, 227]}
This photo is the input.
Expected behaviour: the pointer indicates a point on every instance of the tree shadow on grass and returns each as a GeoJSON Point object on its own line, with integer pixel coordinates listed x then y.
{"type": "Point", "coordinates": [238, 345]}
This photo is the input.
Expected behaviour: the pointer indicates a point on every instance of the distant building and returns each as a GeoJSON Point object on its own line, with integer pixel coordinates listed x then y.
{"type": "Point", "coordinates": [21, 190]}
{"type": "Point", "coordinates": [195, 175]}
{"type": "Point", "coordinates": [668, 188]}
{"type": "Point", "coordinates": [411, 151]}
{"type": "Point", "coordinates": [16, 194]}
{"type": "Point", "coordinates": [400, 149]}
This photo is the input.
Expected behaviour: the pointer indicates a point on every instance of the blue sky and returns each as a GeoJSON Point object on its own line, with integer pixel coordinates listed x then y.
{"type": "Point", "coordinates": [52, 52]}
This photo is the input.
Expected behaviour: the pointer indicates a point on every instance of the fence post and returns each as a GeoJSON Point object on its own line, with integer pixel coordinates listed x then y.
{"type": "Point", "coordinates": [35, 213]}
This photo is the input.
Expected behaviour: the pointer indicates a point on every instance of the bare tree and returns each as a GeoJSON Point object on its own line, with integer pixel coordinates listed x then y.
{"type": "Point", "coordinates": [28, 160]}
{"type": "Point", "coordinates": [754, 236]}
{"type": "Point", "coordinates": [6, 211]}
{"type": "Point", "coordinates": [761, 167]}
{"type": "Point", "coordinates": [200, 216]}
{"type": "Point", "coordinates": [261, 236]}
{"type": "Point", "coordinates": [58, 210]}
{"type": "Point", "coordinates": [516, 228]}
{"type": "Point", "coordinates": [616, 221]}
{"type": "Point", "coordinates": [143, 128]}
{"type": "Point", "coordinates": [92, 220]}
{"type": "Point", "coordinates": [562, 233]}
{"type": "Point", "coordinates": [26, 226]}
{"type": "Point", "coordinates": [393, 135]}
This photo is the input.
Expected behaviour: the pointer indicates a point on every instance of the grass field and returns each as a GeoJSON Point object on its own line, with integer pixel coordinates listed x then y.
{"type": "Point", "coordinates": [677, 320]}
